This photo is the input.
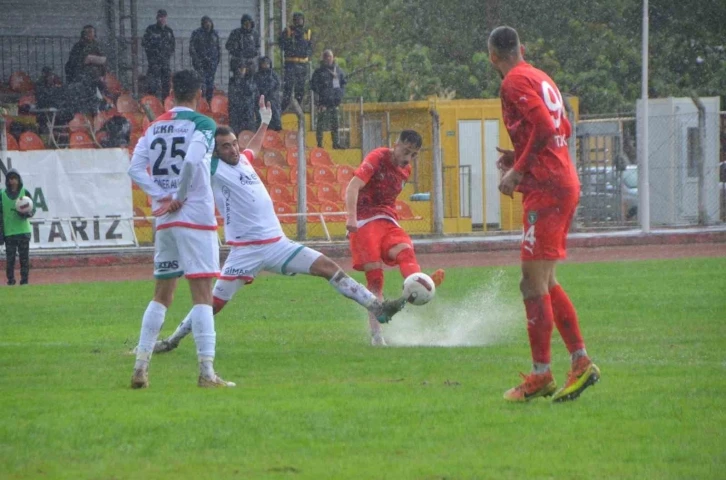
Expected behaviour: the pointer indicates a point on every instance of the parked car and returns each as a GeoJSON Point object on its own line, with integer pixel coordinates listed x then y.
{"type": "Point", "coordinates": [629, 192]}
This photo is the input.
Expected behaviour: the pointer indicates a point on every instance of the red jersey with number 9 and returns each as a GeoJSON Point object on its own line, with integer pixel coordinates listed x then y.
{"type": "Point", "coordinates": [384, 182]}
{"type": "Point", "coordinates": [534, 114]}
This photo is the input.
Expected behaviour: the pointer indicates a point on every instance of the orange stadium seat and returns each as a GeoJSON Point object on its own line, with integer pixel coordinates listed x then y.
{"type": "Point", "coordinates": [312, 207]}
{"type": "Point", "coordinates": [20, 82]}
{"type": "Point", "coordinates": [328, 192]}
{"type": "Point", "coordinates": [81, 139]}
{"type": "Point", "coordinates": [203, 107]}
{"type": "Point", "coordinates": [405, 212]}
{"type": "Point", "coordinates": [272, 141]}
{"type": "Point", "coordinates": [332, 207]}
{"type": "Point", "coordinates": [310, 193]}
{"type": "Point", "coordinates": [12, 143]}
{"type": "Point", "coordinates": [283, 208]}
{"type": "Point", "coordinates": [220, 104]}
{"type": "Point", "coordinates": [136, 120]}
{"type": "Point", "coordinates": [308, 176]}
{"type": "Point", "coordinates": [290, 138]}
{"type": "Point", "coordinates": [280, 193]}
{"type": "Point", "coordinates": [320, 157]}
{"type": "Point", "coordinates": [126, 104]}
{"type": "Point", "coordinates": [261, 172]}
{"type": "Point", "coordinates": [168, 103]}
{"type": "Point", "coordinates": [273, 157]}
{"type": "Point", "coordinates": [324, 174]}
{"type": "Point", "coordinates": [154, 105]}
{"type": "Point", "coordinates": [344, 173]}
{"type": "Point", "coordinates": [244, 137]}
{"type": "Point", "coordinates": [291, 157]}
{"type": "Point", "coordinates": [113, 86]}
{"type": "Point", "coordinates": [30, 141]}
{"type": "Point", "coordinates": [277, 176]}
{"type": "Point", "coordinates": [79, 123]}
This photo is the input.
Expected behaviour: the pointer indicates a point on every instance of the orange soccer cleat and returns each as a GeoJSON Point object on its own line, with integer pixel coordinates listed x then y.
{"type": "Point", "coordinates": [534, 385]}
{"type": "Point", "coordinates": [438, 277]}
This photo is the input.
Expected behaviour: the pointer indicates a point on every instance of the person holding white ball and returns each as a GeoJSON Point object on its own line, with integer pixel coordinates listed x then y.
{"type": "Point", "coordinates": [16, 207]}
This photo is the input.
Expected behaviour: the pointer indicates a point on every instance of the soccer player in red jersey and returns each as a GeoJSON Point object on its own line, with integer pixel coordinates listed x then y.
{"type": "Point", "coordinates": [375, 236]}
{"type": "Point", "coordinates": [541, 169]}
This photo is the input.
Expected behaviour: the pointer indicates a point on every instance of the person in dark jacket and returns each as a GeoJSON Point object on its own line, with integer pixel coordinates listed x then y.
{"type": "Point", "coordinates": [243, 96]}
{"type": "Point", "coordinates": [328, 83]}
{"type": "Point", "coordinates": [159, 44]}
{"type": "Point", "coordinates": [296, 42]}
{"type": "Point", "coordinates": [14, 227]}
{"type": "Point", "coordinates": [86, 58]}
{"type": "Point", "coordinates": [268, 84]}
{"type": "Point", "coordinates": [204, 50]}
{"type": "Point", "coordinates": [243, 44]}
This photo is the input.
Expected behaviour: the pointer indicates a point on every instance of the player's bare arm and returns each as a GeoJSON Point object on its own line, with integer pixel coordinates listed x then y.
{"type": "Point", "coordinates": [351, 203]}
{"type": "Point", "coordinates": [265, 116]}
{"type": "Point", "coordinates": [506, 159]}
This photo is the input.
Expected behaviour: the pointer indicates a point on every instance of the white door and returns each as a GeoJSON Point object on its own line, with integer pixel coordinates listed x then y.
{"type": "Point", "coordinates": [372, 135]}
{"type": "Point", "coordinates": [470, 154]}
{"type": "Point", "coordinates": [491, 173]}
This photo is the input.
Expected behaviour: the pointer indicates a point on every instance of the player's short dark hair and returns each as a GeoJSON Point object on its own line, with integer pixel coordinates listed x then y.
{"type": "Point", "coordinates": [505, 41]}
{"type": "Point", "coordinates": [223, 130]}
{"type": "Point", "coordinates": [412, 137]}
{"type": "Point", "coordinates": [186, 84]}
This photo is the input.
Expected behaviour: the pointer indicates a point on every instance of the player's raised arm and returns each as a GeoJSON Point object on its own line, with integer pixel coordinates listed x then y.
{"type": "Point", "coordinates": [139, 173]}
{"type": "Point", "coordinates": [265, 116]}
{"type": "Point", "coordinates": [202, 143]}
{"type": "Point", "coordinates": [351, 203]}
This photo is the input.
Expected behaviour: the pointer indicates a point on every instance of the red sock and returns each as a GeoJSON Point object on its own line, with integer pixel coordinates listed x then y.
{"type": "Point", "coordinates": [217, 305]}
{"type": "Point", "coordinates": [539, 327]}
{"type": "Point", "coordinates": [566, 319]}
{"type": "Point", "coordinates": [407, 263]}
{"type": "Point", "coordinates": [374, 282]}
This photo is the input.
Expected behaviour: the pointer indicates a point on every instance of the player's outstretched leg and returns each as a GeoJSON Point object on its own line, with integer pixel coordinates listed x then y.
{"type": "Point", "coordinates": [150, 327]}
{"type": "Point", "coordinates": [223, 288]}
{"type": "Point", "coordinates": [407, 263]}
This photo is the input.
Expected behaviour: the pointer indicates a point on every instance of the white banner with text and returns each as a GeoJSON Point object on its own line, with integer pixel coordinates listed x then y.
{"type": "Point", "coordinates": [82, 197]}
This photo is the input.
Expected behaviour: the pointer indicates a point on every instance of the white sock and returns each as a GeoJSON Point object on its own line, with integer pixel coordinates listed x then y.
{"type": "Point", "coordinates": [540, 368]}
{"type": "Point", "coordinates": [349, 288]}
{"type": "Point", "coordinates": [184, 329]}
{"type": "Point", "coordinates": [204, 336]}
{"type": "Point", "coordinates": [578, 353]}
{"type": "Point", "coordinates": [150, 327]}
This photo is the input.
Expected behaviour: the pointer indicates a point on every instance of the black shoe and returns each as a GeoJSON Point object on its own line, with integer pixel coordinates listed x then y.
{"type": "Point", "coordinates": [338, 147]}
{"type": "Point", "coordinates": [11, 282]}
{"type": "Point", "coordinates": [24, 282]}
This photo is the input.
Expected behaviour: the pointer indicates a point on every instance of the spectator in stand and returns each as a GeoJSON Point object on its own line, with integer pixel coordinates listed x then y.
{"type": "Point", "coordinates": [243, 96]}
{"type": "Point", "coordinates": [268, 84]}
{"type": "Point", "coordinates": [85, 69]}
{"type": "Point", "coordinates": [243, 45]}
{"type": "Point", "coordinates": [296, 42]}
{"type": "Point", "coordinates": [86, 58]}
{"type": "Point", "coordinates": [14, 227]}
{"type": "Point", "coordinates": [159, 44]}
{"type": "Point", "coordinates": [48, 89]}
{"type": "Point", "coordinates": [329, 84]}
{"type": "Point", "coordinates": [204, 50]}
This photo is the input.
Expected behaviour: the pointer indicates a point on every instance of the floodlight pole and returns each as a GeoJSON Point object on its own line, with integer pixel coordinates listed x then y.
{"type": "Point", "coordinates": [643, 177]}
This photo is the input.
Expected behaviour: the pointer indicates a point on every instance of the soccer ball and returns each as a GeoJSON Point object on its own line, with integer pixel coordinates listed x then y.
{"type": "Point", "coordinates": [419, 289]}
{"type": "Point", "coordinates": [24, 205]}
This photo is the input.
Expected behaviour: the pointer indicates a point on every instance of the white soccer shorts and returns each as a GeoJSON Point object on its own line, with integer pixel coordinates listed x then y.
{"type": "Point", "coordinates": [185, 251]}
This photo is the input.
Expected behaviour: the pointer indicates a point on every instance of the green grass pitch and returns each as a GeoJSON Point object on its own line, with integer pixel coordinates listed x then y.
{"type": "Point", "coordinates": [315, 401]}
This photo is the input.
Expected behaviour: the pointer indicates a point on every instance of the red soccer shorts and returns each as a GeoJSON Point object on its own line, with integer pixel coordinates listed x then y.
{"type": "Point", "coordinates": [547, 219]}
{"type": "Point", "coordinates": [372, 242]}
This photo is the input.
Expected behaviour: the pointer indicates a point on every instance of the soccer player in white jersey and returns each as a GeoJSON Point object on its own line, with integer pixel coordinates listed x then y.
{"type": "Point", "coordinates": [258, 243]}
{"type": "Point", "coordinates": [176, 149]}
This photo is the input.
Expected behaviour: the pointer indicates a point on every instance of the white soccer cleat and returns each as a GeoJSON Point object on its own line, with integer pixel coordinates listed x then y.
{"type": "Point", "coordinates": [214, 382]}
{"type": "Point", "coordinates": [163, 346]}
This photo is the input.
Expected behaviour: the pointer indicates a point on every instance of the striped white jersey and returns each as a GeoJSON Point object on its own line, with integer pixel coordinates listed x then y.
{"type": "Point", "coordinates": [173, 158]}
{"type": "Point", "coordinates": [245, 205]}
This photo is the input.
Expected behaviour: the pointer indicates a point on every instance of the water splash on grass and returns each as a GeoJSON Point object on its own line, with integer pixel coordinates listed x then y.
{"type": "Point", "coordinates": [484, 317]}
